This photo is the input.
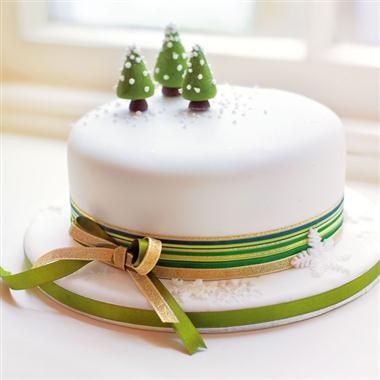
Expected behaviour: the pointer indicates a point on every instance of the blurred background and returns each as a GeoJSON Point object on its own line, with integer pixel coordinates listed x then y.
{"type": "Point", "coordinates": [62, 58]}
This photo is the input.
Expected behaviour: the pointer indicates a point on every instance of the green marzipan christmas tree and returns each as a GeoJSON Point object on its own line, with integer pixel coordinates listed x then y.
{"type": "Point", "coordinates": [198, 85]}
{"type": "Point", "coordinates": [171, 63]}
{"type": "Point", "coordinates": [135, 82]}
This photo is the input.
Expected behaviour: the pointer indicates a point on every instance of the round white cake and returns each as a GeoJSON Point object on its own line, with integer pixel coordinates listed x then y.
{"type": "Point", "coordinates": [259, 161]}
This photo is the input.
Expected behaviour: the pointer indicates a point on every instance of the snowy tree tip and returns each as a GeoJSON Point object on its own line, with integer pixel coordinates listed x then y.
{"type": "Point", "coordinates": [171, 28]}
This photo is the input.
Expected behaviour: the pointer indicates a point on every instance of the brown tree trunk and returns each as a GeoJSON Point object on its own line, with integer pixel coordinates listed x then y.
{"type": "Point", "coordinates": [138, 105]}
{"type": "Point", "coordinates": [199, 106]}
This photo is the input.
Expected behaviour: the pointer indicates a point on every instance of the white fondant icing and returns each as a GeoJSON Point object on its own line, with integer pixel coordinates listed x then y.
{"type": "Point", "coordinates": [104, 283]}
{"type": "Point", "coordinates": [258, 160]}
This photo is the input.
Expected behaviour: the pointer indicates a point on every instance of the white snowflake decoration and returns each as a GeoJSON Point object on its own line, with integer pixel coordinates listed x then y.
{"type": "Point", "coordinates": [221, 292]}
{"type": "Point", "coordinates": [319, 257]}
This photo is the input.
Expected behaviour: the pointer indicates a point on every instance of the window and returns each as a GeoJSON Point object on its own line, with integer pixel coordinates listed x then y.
{"type": "Point", "coordinates": [327, 50]}
{"type": "Point", "coordinates": [218, 17]}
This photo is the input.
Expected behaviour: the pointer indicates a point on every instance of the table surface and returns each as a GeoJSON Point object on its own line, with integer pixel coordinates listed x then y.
{"type": "Point", "coordinates": [40, 339]}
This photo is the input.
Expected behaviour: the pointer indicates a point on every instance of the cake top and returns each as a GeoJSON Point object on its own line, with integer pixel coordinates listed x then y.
{"type": "Point", "coordinates": [245, 127]}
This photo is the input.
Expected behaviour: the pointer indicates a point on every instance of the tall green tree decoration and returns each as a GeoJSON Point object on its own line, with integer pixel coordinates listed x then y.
{"type": "Point", "coordinates": [135, 82]}
{"type": "Point", "coordinates": [199, 85]}
{"type": "Point", "coordinates": [171, 63]}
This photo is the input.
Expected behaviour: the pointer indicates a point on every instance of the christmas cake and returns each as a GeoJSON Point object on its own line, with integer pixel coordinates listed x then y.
{"type": "Point", "coordinates": [224, 204]}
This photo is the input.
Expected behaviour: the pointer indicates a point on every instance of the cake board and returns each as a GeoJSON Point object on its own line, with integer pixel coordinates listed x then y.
{"type": "Point", "coordinates": [350, 269]}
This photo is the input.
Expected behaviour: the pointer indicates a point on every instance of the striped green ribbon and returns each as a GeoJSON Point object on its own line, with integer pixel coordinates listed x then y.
{"type": "Point", "coordinates": [231, 252]}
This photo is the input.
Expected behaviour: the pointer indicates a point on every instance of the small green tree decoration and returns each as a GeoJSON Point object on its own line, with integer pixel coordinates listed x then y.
{"type": "Point", "coordinates": [135, 82]}
{"type": "Point", "coordinates": [199, 84]}
{"type": "Point", "coordinates": [171, 63]}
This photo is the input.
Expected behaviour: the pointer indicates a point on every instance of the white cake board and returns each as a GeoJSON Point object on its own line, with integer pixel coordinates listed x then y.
{"type": "Point", "coordinates": [356, 252]}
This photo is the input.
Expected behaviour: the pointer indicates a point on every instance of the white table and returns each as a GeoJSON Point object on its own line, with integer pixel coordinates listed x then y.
{"type": "Point", "coordinates": [40, 339]}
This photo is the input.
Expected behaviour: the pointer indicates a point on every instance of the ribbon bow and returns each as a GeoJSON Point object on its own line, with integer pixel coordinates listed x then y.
{"type": "Point", "coordinates": [138, 261]}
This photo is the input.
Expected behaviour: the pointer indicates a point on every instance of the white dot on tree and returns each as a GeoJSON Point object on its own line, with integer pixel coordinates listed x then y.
{"type": "Point", "coordinates": [190, 70]}
{"type": "Point", "coordinates": [146, 88]}
{"type": "Point", "coordinates": [166, 77]}
{"type": "Point", "coordinates": [145, 73]}
{"type": "Point", "coordinates": [202, 62]}
{"type": "Point", "coordinates": [197, 90]}
{"type": "Point", "coordinates": [188, 87]}
{"type": "Point", "coordinates": [179, 67]}
{"type": "Point", "coordinates": [128, 65]}
{"type": "Point", "coordinates": [131, 81]}
{"type": "Point", "coordinates": [157, 70]}
{"type": "Point", "coordinates": [175, 56]}
{"type": "Point", "coordinates": [138, 59]}
{"type": "Point", "coordinates": [184, 55]}
{"type": "Point", "coordinates": [169, 44]}
{"type": "Point", "coordinates": [200, 76]}
{"type": "Point", "coordinates": [132, 57]}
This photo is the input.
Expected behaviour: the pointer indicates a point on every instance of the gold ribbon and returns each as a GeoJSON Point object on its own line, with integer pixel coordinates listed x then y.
{"type": "Point", "coordinates": [137, 260]}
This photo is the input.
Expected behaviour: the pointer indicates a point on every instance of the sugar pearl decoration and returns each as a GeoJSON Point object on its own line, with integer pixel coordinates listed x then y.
{"type": "Point", "coordinates": [202, 62]}
{"type": "Point", "coordinates": [146, 88]}
{"type": "Point", "coordinates": [200, 76]}
{"type": "Point", "coordinates": [166, 77]}
{"type": "Point", "coordinates": [131, 81]}
{"type": "Point", "coordinates": [128, 65]}
{"type": "Point", "coordinates": [138, 59]}
{"type": "Point", "coordinates": [179, 67]}
{"type": "Point", "coordinates": [188, 87]}
{"type": "Point", "coordinates": [132, 57]}
{"type": "Point", "coordinates": [184, 55]}
{"type": "Point", "coordinates": [145, 73]}
{"type": "Point", "coordinates": [197, 90]}
{"type": "Point", "coordinates": [175, 56]}
{"type": "Point", "coordinates": [169, 44]}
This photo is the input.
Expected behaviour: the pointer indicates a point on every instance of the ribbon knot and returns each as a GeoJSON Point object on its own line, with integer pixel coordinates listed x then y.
{"type": "Point", "coordinates": [138, 260]}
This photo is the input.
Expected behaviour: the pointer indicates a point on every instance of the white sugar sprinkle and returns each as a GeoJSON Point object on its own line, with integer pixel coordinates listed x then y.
{"type": "Point", "coordinates": [180, 90]}
{"type": "Point", "coordinates": [184, 55]}
{"type": "Point", "coordinates": [179, 67]}
{"type": "Point", "coordinates": [190, 70]}
{"type": "Point", "coordinates": [146, 88]}
{"type": "Point", "coordinates": [128, 65]}
{"type": "Point", "coordinates": [145, 73]}
{"type": "Point", "coordinates": [166, 77]}
{"type": "Point", "coordinates": [138, 59]}
{"type": "Point", "coordinates": [169, 44]}
{"type": "Point", "coordinates": [131, 81]}
{"type": "Point", "coordinates": [132, 57]}
{"type": "Point", "coordinates": [175, 56]}
{"type": "Point", "coordinates": [202, 62]}
{"type": "Point", "coordinates": [189, 64]}
{"type": "Point", "coordinates": [188, 87]}
{"type": "Point", "coordinates": [197, 90]}
{"type": "Point", "coordinates": [200, 76]}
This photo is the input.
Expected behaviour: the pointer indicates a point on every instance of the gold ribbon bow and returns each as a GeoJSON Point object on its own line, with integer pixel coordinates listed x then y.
{"type": "Point", "coordinates": [137, 260]}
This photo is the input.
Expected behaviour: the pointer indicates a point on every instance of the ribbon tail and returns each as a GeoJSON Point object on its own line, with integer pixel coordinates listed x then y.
{"type": "Point", "coordinates": [154, 297]}
{"type": "Point", "coordinates": [184, 329]}
{"type": "Point", "coordinates": [41, 275]}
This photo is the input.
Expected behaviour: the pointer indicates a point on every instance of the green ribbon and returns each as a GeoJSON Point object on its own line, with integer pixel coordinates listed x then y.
{"type": "Point", "coordinates": [43, 277]}
{"type": "Point", "coordinates": [215, 319]}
